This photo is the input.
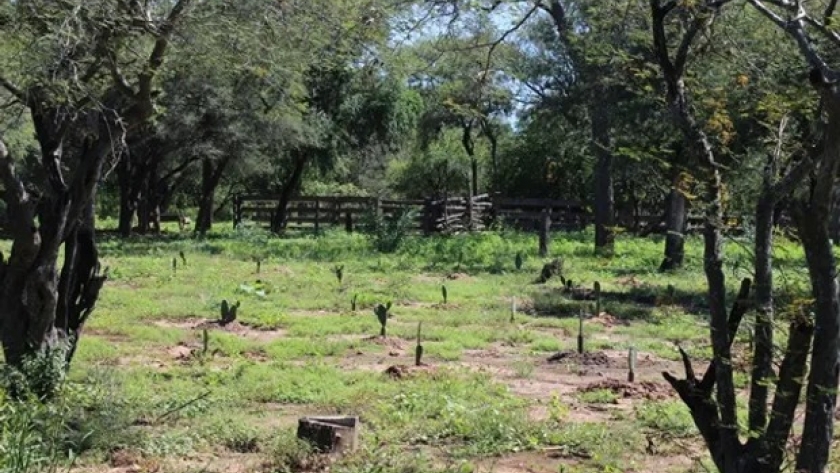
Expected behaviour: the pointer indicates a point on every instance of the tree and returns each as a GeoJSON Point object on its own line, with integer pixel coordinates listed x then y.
{"type": "Point", "coordinates": [87, 80]}
{"type": "Point", "coordinates": [716, 418]}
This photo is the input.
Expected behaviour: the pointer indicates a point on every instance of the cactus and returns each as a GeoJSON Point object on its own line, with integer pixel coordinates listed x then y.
{"type": "Point", "coordinates": [597, 298]}
{"type": "Point", "coordinates": [183, 257]}
{"type": "Point", "coordinates": [339, 272]}
{"type": "Point", "coordinates": [353, 302]}
{"type": "Point", "coordinates": [381, 312]}
{"type": "Point", "coordinates": [205, 342]}
{"type": "Point", "coordinates": [631, 365]}
{"type": "Point", "coordinates": [228, 313]}
{"type": "Point", "coordinates": [580, 332]}
{"type": "Point", "coordinates": [518, 260]}
{"type": "Point", "coordinates": [418, 351]}
{"type": "Point", "coordinates": [444, 293]}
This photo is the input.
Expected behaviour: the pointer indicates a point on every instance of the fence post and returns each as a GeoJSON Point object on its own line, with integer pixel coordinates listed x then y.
{"type": "Point", "coordinates": [317, 215]}
{"type": "Point", "coordinates": [470, 226]}
{"type": "Point", "coordinates": [348, 221]}
{"type": "Point", "coordinates": [237, 210]}
{"type": "Point", "coordinates": [545, 232]}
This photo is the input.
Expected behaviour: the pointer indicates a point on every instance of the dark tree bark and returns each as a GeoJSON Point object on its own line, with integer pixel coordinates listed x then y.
{"type": "Point", "coordinates": [812, 219]}
{"type": "Point", "coordinates": [211, 176]}
{"type": "Point", "coordinates": [490, 133]}
{"type": "Point", "coordinates": [764, 451]}
{"type": "Point", "coordinates": [299, 160]}
{"type": "Point", "coordinates": [469, 146]}
{"type": "Point", "coordinates": [604, 197]}
{"type": "Point", "coordinates": [675, 222]}
{"type": "Point", "coordinates": [43, 307]}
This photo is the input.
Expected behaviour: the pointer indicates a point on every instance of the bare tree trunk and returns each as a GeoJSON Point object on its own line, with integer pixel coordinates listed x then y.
{"type": "Point", "coordinates": [812, 219]}
{"type": "Point", "coordinates": [604, 197]}
{"type": "Point", "coordinates": [675, 222]}
{"type": "Point", "coordinates": [469, 147]}
{"type": "Point", "coordinates": [38, 310]}
{"type": "Point", "coordinates": [210, 179]}
{"type": "Point", "coordinates": [129, 195]}
{"type": "Point", "coordinates": [278, 222]}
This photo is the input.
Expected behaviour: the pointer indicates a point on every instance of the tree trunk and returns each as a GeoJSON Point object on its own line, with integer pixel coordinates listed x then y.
{"type": "Point", "coordinates": [812, 219]}
{"type": "Point", "coordinates": [278, 222]}
{"type": "Point", "coordinates": [490, 133]}
{"type": "Point", "coordinates": [129, 195]}
{"type": "Point", "coordinates": [210, 179]}
{"type": "Point", "coordinates": [675, 221]}
{"type": "Point", "coordinates": [38, 310]}
{"type": "Point", "coordinates": [762, 369]}
{"type": "Point", "coordinates": [604, 198]}
{"type": "Point", "coordinates": [469, 147]}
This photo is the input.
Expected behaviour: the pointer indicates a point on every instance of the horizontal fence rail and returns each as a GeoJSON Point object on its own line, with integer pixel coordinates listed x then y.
{"type": "Point", "coordinates": [453, 214]}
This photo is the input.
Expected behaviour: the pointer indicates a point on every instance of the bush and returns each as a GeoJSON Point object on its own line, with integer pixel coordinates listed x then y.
{"type": "Point", "coordinates": [388, 233]}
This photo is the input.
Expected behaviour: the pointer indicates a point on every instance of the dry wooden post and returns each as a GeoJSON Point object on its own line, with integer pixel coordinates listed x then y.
{"type": "Point", "coordinates": [631, 365]}
{"type": "Point", "coordinates": [469, 202]}
{"type": "Point", "coordinates": [237, 210]}
{"type": "Point", "coordinates": [597, 291]}
{"type": "Point", "coordinates": [512, 309]}
{"type": "Point", "coordinates": [545, 229]}
{"type": "Point", "coordinates": [317, 215]}
{"type": "Point", "coordinates": [330, 434]}
{"type": "Point", "coordinates": [348, 222]}
{"type": "Point", "coordinates": [580, 332]}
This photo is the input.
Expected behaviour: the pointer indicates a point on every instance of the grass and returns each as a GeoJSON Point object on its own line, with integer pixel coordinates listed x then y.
{"type": "Point", "coordinates": [141, 382]}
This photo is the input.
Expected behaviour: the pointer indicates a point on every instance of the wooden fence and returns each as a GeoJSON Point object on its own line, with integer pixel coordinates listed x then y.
{"type": "Point", "coordinates": [455, 214]}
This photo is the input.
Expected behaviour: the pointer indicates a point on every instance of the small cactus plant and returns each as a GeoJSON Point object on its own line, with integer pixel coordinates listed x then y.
{"type": "Point", "coordinates": [444, 293]}
{"type": "Point", "coordinates": [228, 312]}
{"type": "Point", "coordinates": [183, 257]}
{"type": "Point", "coordinates": [518, 261]}
{"type": "Point", "coordinates": [339, 272]}
{"type": "Point", "coordinates": [353, 302]}
{"type": "Point", "coordinates": [418, 351]}
{"type": "Point", "coordinates": [205, 342]}
{"type": "Point", "coordinates": [381, 312]}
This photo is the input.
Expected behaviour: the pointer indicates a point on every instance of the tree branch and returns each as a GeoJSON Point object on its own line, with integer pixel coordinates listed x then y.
{"type": "Point", "coordinates": [13, 89]}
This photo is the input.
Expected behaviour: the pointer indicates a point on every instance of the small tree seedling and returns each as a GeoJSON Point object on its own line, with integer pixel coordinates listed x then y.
{"type": "Point", "coordinates": [381, 312]}
{"type": "Point", "coordinates": [259, 263]}
{"type": "Point", "coordinates": [174, 265]}
{"type": "Point", "coordinates": [444, 293]}
{"type": "Point", "coordinates": [418, 351]}
{"type": "Point", "coordinates": [339, 273]}
{"type": "Point", "coordinates": [518, 261]}
{"type": "Point", "coordinates": [183, 257]}
{"type": "Point", "coordinates": [353, 302]}
{"type": "Point", "coordinates": [631, 365]}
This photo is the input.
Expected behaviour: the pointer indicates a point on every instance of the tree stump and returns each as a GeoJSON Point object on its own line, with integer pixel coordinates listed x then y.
{"type": "Point", "coordinates": [329, 434]}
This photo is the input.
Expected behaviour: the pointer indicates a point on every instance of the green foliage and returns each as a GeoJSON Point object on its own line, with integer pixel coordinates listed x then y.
{"type": "Point", "coordinates": [387, 233]}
